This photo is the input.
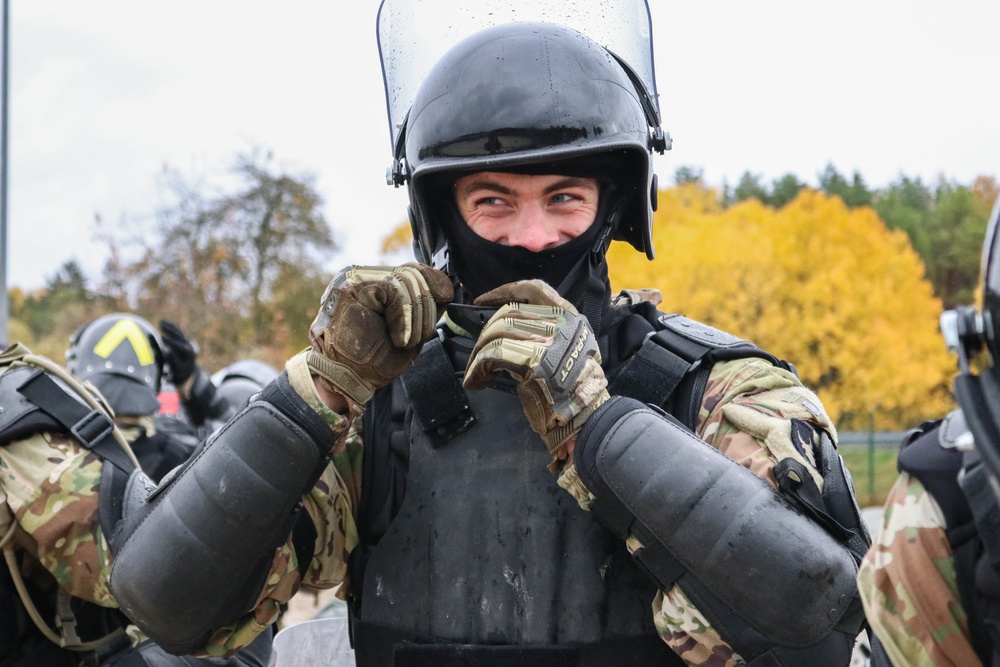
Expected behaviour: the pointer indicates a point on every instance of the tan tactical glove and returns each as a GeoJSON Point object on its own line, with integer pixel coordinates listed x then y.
{"type": "Point", "coordinates": [372, 322]}
{"type": "Point", "coordinates": [549, 348]}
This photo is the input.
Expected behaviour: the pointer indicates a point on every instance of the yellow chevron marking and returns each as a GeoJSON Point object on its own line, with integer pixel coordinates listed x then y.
{"type": "Point", "coordinates": [126, 330]}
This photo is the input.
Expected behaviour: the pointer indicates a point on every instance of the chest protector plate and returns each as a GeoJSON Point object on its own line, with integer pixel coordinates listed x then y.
{"type": "Point", "coordinates": [487, 549]}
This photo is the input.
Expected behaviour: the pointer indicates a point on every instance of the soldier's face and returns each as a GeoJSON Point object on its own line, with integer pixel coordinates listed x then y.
{"type": "Point", "coordinates": [529, 211]}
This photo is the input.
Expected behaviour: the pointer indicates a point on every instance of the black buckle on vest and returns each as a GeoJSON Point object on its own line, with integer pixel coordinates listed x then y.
{"type": "Point", "coordinates": [90, 427]}
{"type": "Point", "coordinates": [94, 427]}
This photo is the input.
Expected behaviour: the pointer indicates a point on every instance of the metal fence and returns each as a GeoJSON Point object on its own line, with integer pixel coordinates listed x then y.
{"type": "Point", "coordinates": [870, 438]}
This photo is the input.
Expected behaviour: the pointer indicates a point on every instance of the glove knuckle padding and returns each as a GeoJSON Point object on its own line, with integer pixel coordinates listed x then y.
{"type": "Point", "coordinates": [360, 341]}
{"type": "Point", "coordinates": [372, 323]}
{"type": "Point", "coordinates": [565, 358]}
{"type": "Point", "coordinates": [735, 535]}
{"type": "Point", "coordinates": [198, 556]}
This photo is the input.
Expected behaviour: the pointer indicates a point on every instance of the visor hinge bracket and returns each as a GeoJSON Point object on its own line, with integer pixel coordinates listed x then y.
{"type": "Point", "coordinates": [395, 174]}
{"type": "Point", "coordinates": [661, 141]}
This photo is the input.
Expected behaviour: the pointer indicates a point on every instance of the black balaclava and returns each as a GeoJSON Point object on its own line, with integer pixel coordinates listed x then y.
{"type": "Point", "coordinates": [483, 265]}
{"type": "Point", "coordinates": [577, 269]}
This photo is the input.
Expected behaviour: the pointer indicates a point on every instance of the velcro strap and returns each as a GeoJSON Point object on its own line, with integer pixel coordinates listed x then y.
{"type": "Point", "coordinates": [652, 374]}
{"type": "Point", "coordinates": [343, 378]}
{"type": "Point", "coordinates": [437, 396]}
{"type": "Point", "coordinates": [658, 563]}
{"type": "Point", "coordinates": [92, 428]}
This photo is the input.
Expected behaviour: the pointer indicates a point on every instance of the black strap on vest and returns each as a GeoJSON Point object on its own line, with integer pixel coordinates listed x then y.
{"type": "Point", "coordinates": [671, 368]}
{"type": "Point", "coordinates": [92, 428]}
{"type": "Point", "coordinates": [436, 394]}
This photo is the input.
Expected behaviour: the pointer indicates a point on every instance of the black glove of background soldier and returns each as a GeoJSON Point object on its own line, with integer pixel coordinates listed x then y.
{"type": "Point", "coordinates": [179, 353]}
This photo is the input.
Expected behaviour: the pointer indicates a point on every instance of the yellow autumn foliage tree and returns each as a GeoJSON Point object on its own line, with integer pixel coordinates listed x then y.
{"type": "Point", "coordinates": [828, 288]}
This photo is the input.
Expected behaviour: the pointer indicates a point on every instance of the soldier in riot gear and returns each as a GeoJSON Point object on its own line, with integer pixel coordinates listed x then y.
{"type": "Point", "coordinates": [207, 402]}
{"type": "Point", "coordinates": [241, 379]}
{"type": "Point", "coordinates": [126, 359]}
{"type": "Point", "coordinates": [938, 552]}
{"type": "Point", "coordinates": [67, 475]}
{"type": "Point", "coordinates": [518, 484]}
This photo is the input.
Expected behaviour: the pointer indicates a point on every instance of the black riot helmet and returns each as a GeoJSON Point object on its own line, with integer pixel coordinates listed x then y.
{"type": "Point", "coordinates": [120, 354]}
{"type": "Point", "coordinates": [973, 334]}
{"type": "Point", "coordinates": [241, 379]}
{"type": "Point", "coordinates": [533, 98]}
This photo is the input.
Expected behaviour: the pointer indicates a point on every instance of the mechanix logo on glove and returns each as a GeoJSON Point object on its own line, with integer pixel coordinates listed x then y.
{"type": "Point", "coordinates": [371, 324]}
{"type": "Point", "coordinates": [541, 340]}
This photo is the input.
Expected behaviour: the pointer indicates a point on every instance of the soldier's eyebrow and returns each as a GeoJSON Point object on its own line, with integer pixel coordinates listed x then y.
{"type": "Point", "coordinates": [571, 182]}
{"type": "Point", "coordinates": [492, 186]}
{"type": "Point", "coordinates": [482, 184]}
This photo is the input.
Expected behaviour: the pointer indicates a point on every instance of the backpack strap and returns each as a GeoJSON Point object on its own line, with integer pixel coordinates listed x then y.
{"type": "Point", "coordinates": [38, 394]}
{"type": "Point", "coordinates": [91, 427]}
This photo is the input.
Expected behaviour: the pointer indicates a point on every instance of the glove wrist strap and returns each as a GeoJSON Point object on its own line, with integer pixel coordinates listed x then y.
{"type": "Point", "coordinates": [342, 379]}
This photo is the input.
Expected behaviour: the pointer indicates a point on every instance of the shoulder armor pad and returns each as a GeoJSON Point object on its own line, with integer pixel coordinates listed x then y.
{"type": "Point", "coordinates": [19, 417]}
{"type": "Point", "coordinates": [699, 332]}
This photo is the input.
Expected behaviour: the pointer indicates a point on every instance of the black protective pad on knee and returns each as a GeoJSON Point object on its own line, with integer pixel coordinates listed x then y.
{"type": "Point", "coordinates": [698, 513]}
{"type": "Point", "coordinates": [197, 554]}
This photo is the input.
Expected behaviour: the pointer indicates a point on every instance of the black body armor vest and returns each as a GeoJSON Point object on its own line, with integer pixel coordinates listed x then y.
{"type": "Point", "coordinates": [470, 553]}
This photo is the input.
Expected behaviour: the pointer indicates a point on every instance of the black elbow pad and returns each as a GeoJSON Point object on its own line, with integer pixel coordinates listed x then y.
{"type": "Point", "coordinates": [709, 524]}
{"type": "Point", "coordinates": [195, 557]}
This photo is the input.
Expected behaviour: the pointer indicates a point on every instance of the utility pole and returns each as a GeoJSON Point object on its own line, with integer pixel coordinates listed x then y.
{"type": "Point", "coordinates": [4, 178]}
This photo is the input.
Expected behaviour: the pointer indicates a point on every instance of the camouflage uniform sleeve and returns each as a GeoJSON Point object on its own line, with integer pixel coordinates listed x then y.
{"type": "Point", "coordinates": [51, 485]}
{"type": "Point", "coordinates": [908, 584]}
{"type": "Point", "coordinates": [757, 415]}
{"type": "Point", "coordinates": [331, 504]}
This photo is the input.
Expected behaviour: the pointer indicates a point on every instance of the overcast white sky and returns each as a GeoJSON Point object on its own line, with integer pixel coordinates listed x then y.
{"type": "Point", "coordinates": [104, 93]}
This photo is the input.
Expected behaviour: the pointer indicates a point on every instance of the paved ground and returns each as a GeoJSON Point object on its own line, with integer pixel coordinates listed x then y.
{"type": "Point", "coordinates": [305, 606]}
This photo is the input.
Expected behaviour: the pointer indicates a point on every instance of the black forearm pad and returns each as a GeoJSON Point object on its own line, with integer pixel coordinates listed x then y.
{"type": "Point", "coordinates": [197, 554]}
{"type": "Point", "coordinates": [737, 536]}
{"type": "Point", "coordinates": [204, 401]}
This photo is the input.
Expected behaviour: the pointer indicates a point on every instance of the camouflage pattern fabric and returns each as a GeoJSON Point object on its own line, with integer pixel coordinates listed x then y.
{"type": "Point", "coordinates": [908, 584]}
{"type": "Point", "coordinates": [51, 486]}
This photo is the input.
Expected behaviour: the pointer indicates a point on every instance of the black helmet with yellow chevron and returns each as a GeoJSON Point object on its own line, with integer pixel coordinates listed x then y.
{"type": "Point", "coordinates": [122, 356]}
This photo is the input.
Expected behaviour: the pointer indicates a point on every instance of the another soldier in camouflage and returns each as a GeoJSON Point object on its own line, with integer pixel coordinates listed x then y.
{"type": "Point", "coordinates": [55, 605]}
{"type": "Point", "coordinates": [930, 583]}
{"type": "Point", "coordinates": [413, 461]}
{"type": "Point", "coordinates": [50, 500]}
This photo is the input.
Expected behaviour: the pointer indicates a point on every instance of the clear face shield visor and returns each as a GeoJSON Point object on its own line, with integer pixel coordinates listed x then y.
{"type": "Point", "coordinates": [413, 36]}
